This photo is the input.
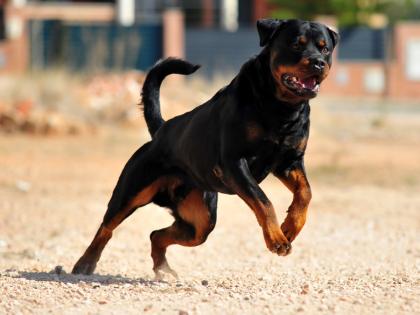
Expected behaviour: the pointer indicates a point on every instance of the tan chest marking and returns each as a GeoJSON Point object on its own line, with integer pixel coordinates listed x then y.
{"type": "Point", "coordinates": [253, 131]}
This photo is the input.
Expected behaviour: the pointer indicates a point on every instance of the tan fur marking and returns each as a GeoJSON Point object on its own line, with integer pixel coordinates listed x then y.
{"type": "Point", "coordinates": [300, 70]}
{"type": "Point", "coordinates": [297, 183]}
{"type": "Point", "coordinates": [193, 210]}
{"type": "Point", "coordinates": [303, 40]}
{"type": "Point", "coordinates": [325, 72]}
{"type": "Point", "coordinates": [87, 263]}
{"type": "Point", "coordinates": [253, 131]}
{"type": "Point", "coordinates": [144, 197]}
{"type": "Point", "coordinates": [267, 219]}
{"type": "Point", "coordinates": [305, 61]}
{"type": "Point", "coordinates": [101, 238]}
{"type": "Point", "coordinates": [302, 144]}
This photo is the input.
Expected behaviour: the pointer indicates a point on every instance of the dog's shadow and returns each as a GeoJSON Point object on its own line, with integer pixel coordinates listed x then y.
{"type": "Point", "coordinates": [94, 279]}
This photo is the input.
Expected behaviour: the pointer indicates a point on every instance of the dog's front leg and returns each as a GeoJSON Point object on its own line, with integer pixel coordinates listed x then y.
{"type": "Point", "coordinates": [238, 176]}
{"type": "Point", "coordinates": [295, 180]}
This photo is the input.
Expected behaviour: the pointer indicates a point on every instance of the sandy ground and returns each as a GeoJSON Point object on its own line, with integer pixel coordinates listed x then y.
{"type": "Point", "coordinates": [359, 252]}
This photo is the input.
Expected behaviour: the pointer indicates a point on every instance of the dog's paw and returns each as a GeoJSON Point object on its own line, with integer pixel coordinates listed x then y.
{"type": "Point", "coordinates": [84, 268]}
{"type": "Point", "coordinates": [163, 270]}
{"type": "Point", "coordinates": [277, 243]}
{"type": "Point", "coordinates": [282, 249]}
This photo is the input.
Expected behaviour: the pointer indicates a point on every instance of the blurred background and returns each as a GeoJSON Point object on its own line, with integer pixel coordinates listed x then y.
{"type": "Point", "coordinates": [99, 50]}
{"type": "Point", "coordinates": [75, 68]}
{"type": "Point", "coordinates": [70, 80]}
{"type": "Point", "coordinates": [71, 74]}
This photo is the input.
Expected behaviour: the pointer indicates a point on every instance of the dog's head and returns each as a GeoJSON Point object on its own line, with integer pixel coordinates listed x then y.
{"type": "Point", "coordinates": [299, 56]}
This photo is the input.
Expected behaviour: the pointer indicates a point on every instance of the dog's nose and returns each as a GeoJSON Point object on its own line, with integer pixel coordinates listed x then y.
{"type": "Point", "coordinates": [317, 64]}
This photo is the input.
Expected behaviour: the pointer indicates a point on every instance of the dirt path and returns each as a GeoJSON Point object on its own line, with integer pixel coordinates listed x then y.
{"type": "Point", "coordinates": [358, 254]}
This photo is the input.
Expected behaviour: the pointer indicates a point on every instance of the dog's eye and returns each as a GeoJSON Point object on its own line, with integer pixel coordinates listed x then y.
{"type": "Point", "coordinates": [325, 51]}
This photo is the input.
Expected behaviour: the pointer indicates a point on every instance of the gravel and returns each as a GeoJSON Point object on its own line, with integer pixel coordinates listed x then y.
{"type": "Point", "coordinates": [359, 252]}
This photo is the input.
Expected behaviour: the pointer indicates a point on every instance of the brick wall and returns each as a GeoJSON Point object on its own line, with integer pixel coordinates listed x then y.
{"type": "Point", "coordinates": [400, 86]}
{"type": "Point", "coordinates": [355, 79]}
{"type": "Point", "coordinates": [387, 77]}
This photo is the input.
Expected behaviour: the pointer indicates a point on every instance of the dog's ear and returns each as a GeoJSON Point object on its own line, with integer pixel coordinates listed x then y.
{"type": "Point", "coordinates": [267, 28]}
{"type": "Point", "coordinates": [334, 36]}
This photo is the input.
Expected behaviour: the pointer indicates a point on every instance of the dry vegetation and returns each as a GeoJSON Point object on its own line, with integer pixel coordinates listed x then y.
{"type": "Point", "coordinates": [358, 254]}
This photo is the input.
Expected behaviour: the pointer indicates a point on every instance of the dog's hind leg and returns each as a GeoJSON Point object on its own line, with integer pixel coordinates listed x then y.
{"type": "Point", "coordinates": [136, 187]}
{"type": "Point", "coordinates": [195, 218]}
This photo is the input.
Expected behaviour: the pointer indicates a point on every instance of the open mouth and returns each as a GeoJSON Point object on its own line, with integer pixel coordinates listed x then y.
{"type": "Point", "coordinates": [308, 86]}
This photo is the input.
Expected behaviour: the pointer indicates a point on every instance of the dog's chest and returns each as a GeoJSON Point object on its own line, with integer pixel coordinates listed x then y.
{"type": "Point", "coordinates": [283, 137]}
{"type": "Point", "coordinates": [277, 148]}
{"type": "Point", "coordinates": [281, 142]}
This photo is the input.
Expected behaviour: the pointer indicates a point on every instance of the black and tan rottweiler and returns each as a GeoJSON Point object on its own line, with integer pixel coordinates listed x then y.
{"type": "Point", "coordinates": [256, 125]}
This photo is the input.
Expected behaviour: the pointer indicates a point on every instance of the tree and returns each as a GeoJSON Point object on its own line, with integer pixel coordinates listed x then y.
{"type": "Point", "coordinates": [348, 12]}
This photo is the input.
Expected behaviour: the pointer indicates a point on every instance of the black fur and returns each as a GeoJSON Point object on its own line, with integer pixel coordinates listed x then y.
{"type": "Point", "coordinates": [151, 87]}
{"type": "Point", "coordinates": [254, 126]}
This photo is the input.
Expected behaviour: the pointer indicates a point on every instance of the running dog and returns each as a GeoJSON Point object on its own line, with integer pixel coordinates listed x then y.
{"type": "Point", "coordinates": [256, 125]}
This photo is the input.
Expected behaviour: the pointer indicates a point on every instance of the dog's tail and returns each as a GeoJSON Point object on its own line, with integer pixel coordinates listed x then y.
{"type": "Point", "coordinates": [151, 86]}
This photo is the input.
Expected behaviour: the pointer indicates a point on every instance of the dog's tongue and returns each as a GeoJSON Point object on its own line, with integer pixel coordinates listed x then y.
{"type": "Point", "coordinates": [309, 83]}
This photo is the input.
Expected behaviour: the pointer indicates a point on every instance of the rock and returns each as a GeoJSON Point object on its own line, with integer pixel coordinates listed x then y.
{"type": "Point", "coordinates": [205, 282]}
{"type": "Point", "coordinates": [305, 289]}
{"type": "Point", "coordinates": [3, 243]}
{"type": "Point", "coordinates": [8, 123]}
{"type": "Point", "coordinates": [23, 186]}
{"type": "Point", "coordinates": [59, 270]}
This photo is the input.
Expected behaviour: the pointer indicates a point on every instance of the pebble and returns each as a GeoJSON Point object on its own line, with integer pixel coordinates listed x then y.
{"type": "Point", "coordinates": [305, 289]}
{"type": "Point", "coordinates": [96, 285]}
{"type": "Point", "coordinates": [23, 186]}
{"type": "Point", "coordinates": [59, 270]}
{"type": "Point", "coordinates": [348, 281]}
{"type": "Point", "coordinates": [3, 243]}
{"type": "Point", "coordinates": [148, 307]}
